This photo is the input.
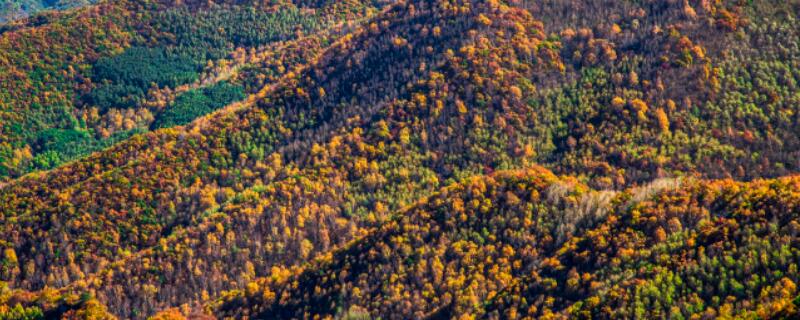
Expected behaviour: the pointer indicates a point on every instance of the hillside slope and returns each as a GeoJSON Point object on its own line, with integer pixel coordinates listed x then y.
{"type": "Point", "coordinates": [274, 146]}
{"type": "Point", "coordinates": [256, 159]}
{"type": "Point", "coordinates": [78, 81]}
{"type": "Point", "coordinates": [704, 249]}
{"type": "Point", "coordinates": [528, 245]}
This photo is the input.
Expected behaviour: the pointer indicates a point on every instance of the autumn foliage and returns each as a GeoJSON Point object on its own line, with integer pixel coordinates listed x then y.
{"type": "Point", "coordinates": [403, 159]}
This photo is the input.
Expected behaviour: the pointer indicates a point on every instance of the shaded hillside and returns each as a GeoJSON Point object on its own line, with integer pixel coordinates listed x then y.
{"type": "Point", "coordinates": [649, 89]}
{"type": "Point", "coordinates": [255, 159]}
{"type": "Point", "coordinates": [529, 245]}
{"type": "Point", "coordinates": [318, 142]}
{"type": "Point", "coordinates": [79, 81]}
{"type": "Point", "coordinates": [706, 249]}
{"type": "Point", "coordinates": [447, 254]}
{"type": "Point", "coordinates": [654, 88]}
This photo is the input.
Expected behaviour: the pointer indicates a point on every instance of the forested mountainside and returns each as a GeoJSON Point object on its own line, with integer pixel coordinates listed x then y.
{"type": "Point", "coordinates": [412, 159]}
{"type": "Point", "coordinates": [527, 244]}
{"type": "Point", "coordinates": [79, 81]}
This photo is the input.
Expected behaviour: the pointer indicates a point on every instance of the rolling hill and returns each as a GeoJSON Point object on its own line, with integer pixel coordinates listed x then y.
{"type": "Point", "coordinates": [414, 159]}
{"type": "Point", "coordinates": [527, 244]}
{"type": "Point", "coordinates": [79, 81]}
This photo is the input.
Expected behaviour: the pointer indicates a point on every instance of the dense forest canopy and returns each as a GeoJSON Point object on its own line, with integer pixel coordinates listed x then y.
{"type": "Point", "coordinates": [401, 159]}
{"type": "Point", "coordinates": [106, 71]}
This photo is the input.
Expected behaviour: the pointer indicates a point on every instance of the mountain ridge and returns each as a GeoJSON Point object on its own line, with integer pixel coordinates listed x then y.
{"type": "Point", "coordinates": [265, 206]}
{"type": "Point", "coordinates": [277, 296]}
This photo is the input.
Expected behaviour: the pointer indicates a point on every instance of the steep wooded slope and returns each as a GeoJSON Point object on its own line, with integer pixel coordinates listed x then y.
{"type": "Point", "coordinates": [345, 129]}
{"type": "Point", "coordinates": [79, 81]}
{"type": "Point", "coordinates": [238, 145]}
{"type": "Point", "coordinates": [704, 249]}
{"type": "Point", "coordinates": [526, 244]}
{"type": "Point", "coordinates": [656, 88]}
